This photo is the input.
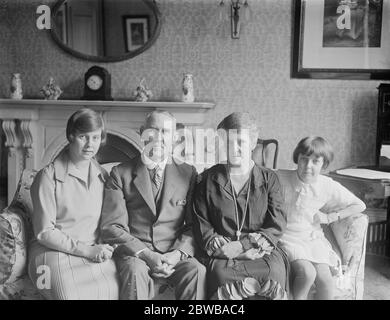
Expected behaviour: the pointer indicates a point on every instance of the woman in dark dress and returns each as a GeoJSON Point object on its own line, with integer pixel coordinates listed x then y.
{"type": "Point", "coordinates": [239, 219]}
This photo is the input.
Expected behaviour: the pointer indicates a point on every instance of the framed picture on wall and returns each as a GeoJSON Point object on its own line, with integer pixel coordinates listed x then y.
{"type": "Point", "coordinates": [136, 31]}
{"type": "Point", "coordinates": [342, 39]}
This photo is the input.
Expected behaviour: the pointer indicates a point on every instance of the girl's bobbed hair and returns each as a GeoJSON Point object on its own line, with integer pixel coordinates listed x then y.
{"type": "Point", "coordinates": [316, 146]}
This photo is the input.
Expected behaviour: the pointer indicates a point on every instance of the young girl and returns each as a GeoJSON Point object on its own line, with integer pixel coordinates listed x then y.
{"type": "Point", "coordinates": [312, 199]}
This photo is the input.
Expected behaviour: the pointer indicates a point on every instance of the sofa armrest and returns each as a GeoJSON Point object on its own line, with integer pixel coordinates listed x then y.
{"type": "Point", "coordinates": [13, 246]}
{"type": "Point", "coordinates": [350, 234]}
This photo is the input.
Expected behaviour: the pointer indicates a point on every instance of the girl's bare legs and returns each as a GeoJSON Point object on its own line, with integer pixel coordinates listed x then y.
{"type": "Point", "coordinates": [324, 282]}
{"type": "Point", "coordinates": [304, 275]}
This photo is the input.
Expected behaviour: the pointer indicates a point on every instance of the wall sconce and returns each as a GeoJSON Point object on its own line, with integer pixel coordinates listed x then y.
{"type": "Point", "coordinates": [235, 6]}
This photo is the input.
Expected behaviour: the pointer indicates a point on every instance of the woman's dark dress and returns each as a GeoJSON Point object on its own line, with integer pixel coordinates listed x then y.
{"type": "Point", "coordinates": [215, 215]}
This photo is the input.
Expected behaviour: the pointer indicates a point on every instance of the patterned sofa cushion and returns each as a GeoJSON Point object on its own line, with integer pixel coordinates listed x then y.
{"type": "Point", "coordinates": [21, 203]}
{"type": "Point", "coordinates": [13, 254]}
{"type": "Point", "coordinates": [16, 231]}
{"type": "Point", "coordinates": [20, 289]}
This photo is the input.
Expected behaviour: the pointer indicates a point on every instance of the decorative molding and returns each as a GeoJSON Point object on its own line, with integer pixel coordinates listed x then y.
{"type": "Point", "coordinates": [9, 128]}
{"type": "Point", "coordinates": [25, 126]}
{"type": "Point", "coordinates": [108, 105]}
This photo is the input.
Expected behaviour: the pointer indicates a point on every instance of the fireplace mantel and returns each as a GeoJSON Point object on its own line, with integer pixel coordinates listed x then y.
{"type": "Point", "coordinates": [27, 108]}
{"type": "Point", "coordinates": [35, 129]}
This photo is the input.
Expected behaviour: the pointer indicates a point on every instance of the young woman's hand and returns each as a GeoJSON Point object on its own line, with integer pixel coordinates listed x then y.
{"type": "Point", "coordinates": [100, 252]}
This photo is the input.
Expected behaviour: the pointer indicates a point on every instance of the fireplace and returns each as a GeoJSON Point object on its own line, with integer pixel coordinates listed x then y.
{"type": "Point", "coordinates": [116, 149]}
{"type": "Point", "coordinates": [34, 130]}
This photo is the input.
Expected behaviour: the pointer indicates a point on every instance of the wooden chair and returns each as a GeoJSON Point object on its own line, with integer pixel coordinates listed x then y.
{"type": "Point", "coordinates": [266, 153]}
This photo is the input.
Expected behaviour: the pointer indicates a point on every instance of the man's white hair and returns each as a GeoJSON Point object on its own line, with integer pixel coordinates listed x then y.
{"type": "Point", "coordinates": [157, 112]}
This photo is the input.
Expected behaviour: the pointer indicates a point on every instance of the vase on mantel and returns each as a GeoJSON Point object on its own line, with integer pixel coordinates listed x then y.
{"type": "Point", "coordinates": [188, 88]}
{"type": "Point", "coordinates": [16, 87]}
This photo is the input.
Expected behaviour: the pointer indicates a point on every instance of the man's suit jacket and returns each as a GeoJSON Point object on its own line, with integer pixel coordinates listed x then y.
{"type": "Point", "coordinates": [129, 216]}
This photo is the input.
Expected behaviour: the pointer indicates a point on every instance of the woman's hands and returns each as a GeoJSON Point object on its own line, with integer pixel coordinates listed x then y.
{"type": "Point", "coordinates": [260, 242]}
{"type": "Point", "coordinates": [225, 248]}
{"type": "Point", "coordinates": [252, 254]}
{"type": "Point", "coordinates": [230, 250]}
{"type": "Point", "coordinates": [218, 242]}
{"type": "Point", "coordinates": [100, 252]}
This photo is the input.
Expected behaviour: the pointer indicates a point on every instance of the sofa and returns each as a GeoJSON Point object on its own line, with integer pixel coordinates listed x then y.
{"type": "Point", "coordinates": [347, 236]}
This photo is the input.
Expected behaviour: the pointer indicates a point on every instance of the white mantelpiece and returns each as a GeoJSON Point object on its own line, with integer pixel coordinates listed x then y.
{"type": "Point", "coordinates": [35, 129]}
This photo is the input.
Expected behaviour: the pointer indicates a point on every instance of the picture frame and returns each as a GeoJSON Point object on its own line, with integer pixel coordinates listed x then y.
{"type": "Point", "coordinates": [62, 22]}
{"type": "Point", "coordinates": [341, 39]}
{"type": "Point", "coordinates": [136, 31]}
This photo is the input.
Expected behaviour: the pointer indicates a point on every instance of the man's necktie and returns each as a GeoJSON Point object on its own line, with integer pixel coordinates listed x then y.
{"type": "Point", "coordinates": [157, 177]}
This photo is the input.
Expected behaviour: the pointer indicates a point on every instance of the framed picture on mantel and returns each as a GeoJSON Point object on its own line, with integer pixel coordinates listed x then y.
{"type": "Point", "coordinates": [341, 39]}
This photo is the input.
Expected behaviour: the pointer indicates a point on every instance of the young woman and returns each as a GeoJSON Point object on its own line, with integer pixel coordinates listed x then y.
{"type": "Point", "coordinates": [65, 260]}
{"type": "Point", "coordinates": [312, 199]}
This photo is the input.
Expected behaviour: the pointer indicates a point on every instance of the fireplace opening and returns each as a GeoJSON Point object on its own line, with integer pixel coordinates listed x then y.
{"type": "Point", "coordinates": [116, 149]}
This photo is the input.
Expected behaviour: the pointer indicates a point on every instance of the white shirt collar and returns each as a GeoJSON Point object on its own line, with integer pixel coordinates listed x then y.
{"type": "Point", "coordinates": [150, 164]}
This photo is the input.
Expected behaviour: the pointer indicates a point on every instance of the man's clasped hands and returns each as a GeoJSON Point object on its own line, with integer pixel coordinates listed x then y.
{"type": "Point", "coordinates": [161, 265]}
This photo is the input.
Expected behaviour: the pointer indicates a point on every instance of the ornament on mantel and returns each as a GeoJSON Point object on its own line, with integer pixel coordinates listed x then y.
{"type": "Point", "coordinates": [16, 87]}
{"type": "Point", "coordinates": [188, 88]}
{"type": "Point", "coordinates": [142, 93]}
{"type": "Point", "coordinates": [51, 91]}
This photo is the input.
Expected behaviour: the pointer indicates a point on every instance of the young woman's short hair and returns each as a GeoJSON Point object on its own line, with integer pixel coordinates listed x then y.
{"type": "Point", "coordinates": [316, 146]}
{"type": "Point", "coordinates": [83, 121]}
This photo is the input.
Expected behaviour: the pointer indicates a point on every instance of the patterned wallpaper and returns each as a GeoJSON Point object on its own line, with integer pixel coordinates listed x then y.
{"type": "Point", "coordinates": [6, 61]}
{"type": "Point", "coordinates": [251, 73]}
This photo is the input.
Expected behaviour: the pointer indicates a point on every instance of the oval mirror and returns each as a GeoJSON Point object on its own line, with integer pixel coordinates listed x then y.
{"type": "Point", "coordinates": [105, 30]}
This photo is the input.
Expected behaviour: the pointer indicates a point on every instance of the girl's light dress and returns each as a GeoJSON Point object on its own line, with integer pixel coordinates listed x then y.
{"type": "Point", "coordinates": [303, 237]}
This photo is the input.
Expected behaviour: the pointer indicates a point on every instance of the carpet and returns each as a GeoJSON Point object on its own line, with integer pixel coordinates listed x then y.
{"type": "Point", "coordinates": [377, 278]}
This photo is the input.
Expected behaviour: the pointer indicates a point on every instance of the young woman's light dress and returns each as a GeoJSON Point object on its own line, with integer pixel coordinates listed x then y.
{"type": "Point", "coordinates": [66, 215]}
{"type": "Point", "coordinates": [303, 237]}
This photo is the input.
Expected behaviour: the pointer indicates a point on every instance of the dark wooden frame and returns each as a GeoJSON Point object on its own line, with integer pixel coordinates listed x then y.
{"type": "Point", "coordinates": [156, 32]}
{"type": "Point", "coordinates": [297, 71]}
{"type": "Point", "coordinates": [126, 31]}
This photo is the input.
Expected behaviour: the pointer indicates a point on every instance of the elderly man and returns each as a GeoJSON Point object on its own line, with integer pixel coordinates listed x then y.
{"type": "Point", "coordinates": [147, 214]}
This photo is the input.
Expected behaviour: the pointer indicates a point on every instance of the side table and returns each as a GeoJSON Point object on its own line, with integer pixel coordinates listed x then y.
{"type": "Point", "coordinates": [378, 235]}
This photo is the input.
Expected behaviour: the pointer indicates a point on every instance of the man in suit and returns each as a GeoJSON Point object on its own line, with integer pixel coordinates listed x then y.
{"type": "Point", "coordinates": [147, 213]}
